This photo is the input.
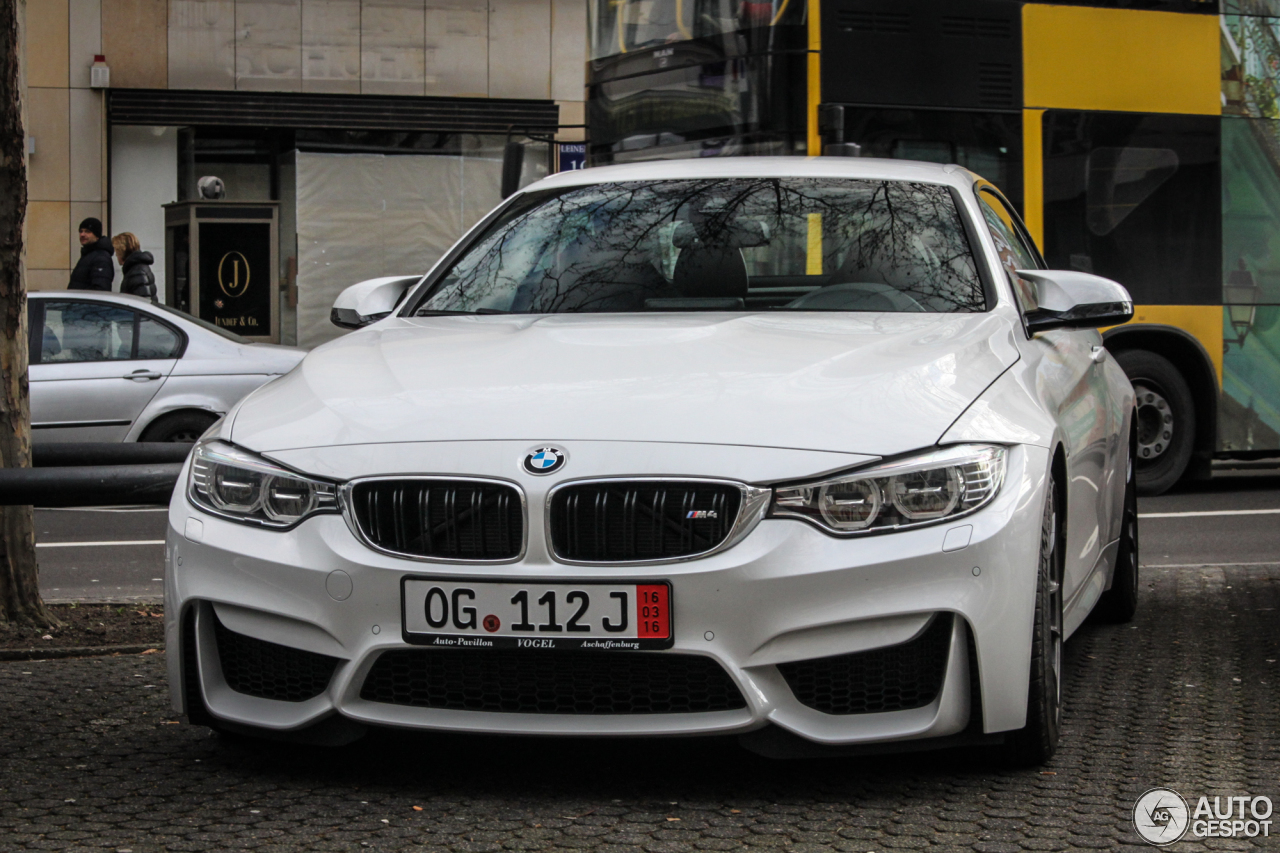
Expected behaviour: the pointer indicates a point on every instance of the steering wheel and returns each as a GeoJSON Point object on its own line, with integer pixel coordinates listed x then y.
{"type": "Point", "coordinates": [858, 296]}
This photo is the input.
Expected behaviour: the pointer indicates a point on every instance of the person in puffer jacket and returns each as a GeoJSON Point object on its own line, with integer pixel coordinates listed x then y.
{"type": "Point", "coordinates": [135, 265]}
{"type": "Point", "coordinates": [94, 270]}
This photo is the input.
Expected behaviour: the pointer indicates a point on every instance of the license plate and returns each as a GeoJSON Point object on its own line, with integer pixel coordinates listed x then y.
{"type": "Point", "coordinates": [517, 614]}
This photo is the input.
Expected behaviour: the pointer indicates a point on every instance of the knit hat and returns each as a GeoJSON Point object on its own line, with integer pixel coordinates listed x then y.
{"type": "Point", "coordinates": [92, 224]}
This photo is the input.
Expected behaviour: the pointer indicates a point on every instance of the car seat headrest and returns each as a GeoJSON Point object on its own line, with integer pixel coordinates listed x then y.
{"type": "Point", "coordinates": [739, 234]}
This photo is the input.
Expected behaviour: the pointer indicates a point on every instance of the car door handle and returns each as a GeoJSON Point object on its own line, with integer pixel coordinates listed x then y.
{"type": "Point", "coordinates": [143, 375]}
{"type": "Point", "coordinates": [1099, 355]}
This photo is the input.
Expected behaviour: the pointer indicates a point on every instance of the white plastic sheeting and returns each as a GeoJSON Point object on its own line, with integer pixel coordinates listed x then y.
{"type": "Point", "coordinates": [361, 216]}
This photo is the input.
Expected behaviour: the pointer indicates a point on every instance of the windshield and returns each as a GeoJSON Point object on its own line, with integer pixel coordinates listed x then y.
{"type": "Point", "coordinates": [759, 244]}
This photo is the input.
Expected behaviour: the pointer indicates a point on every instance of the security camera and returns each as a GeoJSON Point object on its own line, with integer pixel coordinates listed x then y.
{"type": "Point", "coordinates": [211, 187]}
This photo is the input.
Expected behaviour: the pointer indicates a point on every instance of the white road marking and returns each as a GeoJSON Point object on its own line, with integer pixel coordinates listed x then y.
{"type": "Point", "coordinates": [1204, 565]}
{"type": "Point", "coordinates": [1201, 513]}
{"type": "Point", "coordinates": [122, 508]}
{"type": "Point", "coordinates": [99, 544]}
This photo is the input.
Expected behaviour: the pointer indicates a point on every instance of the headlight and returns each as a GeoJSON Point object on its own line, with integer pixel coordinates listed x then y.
{"type": "Point", "coordinates": [236, 484]}
{"type": "Point", "coordinates": [935, 486]}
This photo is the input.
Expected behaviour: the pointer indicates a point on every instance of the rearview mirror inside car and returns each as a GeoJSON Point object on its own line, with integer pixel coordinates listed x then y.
{"type": "Point", "coordinates": [1065, 299]}
{"type": "Point", "coordinates": [370, 301]}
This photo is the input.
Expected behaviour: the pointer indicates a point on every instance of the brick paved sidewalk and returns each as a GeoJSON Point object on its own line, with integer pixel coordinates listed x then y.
{"type": "Point", "coordinates": [1186, 698]}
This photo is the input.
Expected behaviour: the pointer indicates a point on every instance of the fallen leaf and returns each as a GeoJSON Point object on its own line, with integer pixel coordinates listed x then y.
{"type": "Point", "coordinates": [735, 811]}
{"type": "Point", "coordinates": [672, 819]}
{"type": "Point", "coordinates": [150, 652]}
{"type": "Point", "coordinates": [417, 808]}
{"type": "Point", "coordinates": [1047, 773]}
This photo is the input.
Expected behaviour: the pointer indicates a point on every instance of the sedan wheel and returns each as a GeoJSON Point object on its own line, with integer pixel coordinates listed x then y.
{"type": "Point", "coordinates": [1036, 742]}
{"type": "Point", "coordinates": [186, 427]}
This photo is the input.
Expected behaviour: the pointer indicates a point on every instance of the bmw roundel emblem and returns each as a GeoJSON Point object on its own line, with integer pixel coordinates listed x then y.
{"type": "Point", "coordinates": [544, 460]}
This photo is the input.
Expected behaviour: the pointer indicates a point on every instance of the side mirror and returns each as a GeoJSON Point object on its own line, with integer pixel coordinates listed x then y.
{"type": "Point", "coordinates": [1066, 299]}
{"type": "Point", "coordinates": [370, 301]}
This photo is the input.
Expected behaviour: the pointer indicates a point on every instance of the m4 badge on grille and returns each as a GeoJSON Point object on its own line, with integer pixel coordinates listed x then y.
{"type": "Point", "coordinates": [544, 460]}
{"type": "Point", "coordinates": [702, 513]}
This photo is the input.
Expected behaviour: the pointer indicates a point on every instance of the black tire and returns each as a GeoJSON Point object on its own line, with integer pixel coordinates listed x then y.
{"type": "Point", "coordinates": [185, 427]}
{"type": "Point", "coordinates": [1166, 419]}
{"type": "Point", "coordinates": [1036, 742]}
{"type": "Point", "coordinates": [1120, 603]}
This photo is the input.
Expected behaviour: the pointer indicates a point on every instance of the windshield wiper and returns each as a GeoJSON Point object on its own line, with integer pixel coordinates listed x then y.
{"type": "Point", "coordinates": [426, 313]}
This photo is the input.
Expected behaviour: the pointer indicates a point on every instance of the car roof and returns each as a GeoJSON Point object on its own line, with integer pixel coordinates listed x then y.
{"type": "Point", "coordinates": [96, 295]}
{"type": "Point", "coordinates": [867, 168]}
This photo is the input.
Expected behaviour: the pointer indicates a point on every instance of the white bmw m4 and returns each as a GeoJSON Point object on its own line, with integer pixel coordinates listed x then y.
{"type": "Point", "coordinates": [810, 451]}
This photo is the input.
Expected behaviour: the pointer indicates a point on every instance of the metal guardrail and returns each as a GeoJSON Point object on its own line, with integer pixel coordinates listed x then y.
{"type": "Point", "coordinates": [95, 474]}
{"type": "Point", "coordinates": [108, 453]}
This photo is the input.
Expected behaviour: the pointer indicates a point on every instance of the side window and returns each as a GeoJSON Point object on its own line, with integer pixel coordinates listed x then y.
{"type": "Point", "coordinates": [1015, 253]}
{"type": "Point", "coordinates": [86, 331]}
{"type": "Point", "coordinates": [156, 340]}
{"type": "Point", "coordinates": [35, 328]}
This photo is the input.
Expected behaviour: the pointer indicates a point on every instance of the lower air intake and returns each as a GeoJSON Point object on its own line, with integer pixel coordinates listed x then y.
{"type": "Point", "coordinates": [268, 670]}
{"type": "Point", "coordinates": [551, 682]}
{"type": "Point", "coordinates": [894, 678]}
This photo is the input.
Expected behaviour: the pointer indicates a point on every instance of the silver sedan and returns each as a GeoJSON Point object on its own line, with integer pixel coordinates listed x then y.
{"type": "Point", "coordinates": [114, 367]}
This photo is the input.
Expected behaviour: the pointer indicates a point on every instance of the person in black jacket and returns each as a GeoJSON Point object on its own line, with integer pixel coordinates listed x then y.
{"type": "Point", "coordinates": [135, 266]}
{"type": "Point", "coordinates": [94, 270]}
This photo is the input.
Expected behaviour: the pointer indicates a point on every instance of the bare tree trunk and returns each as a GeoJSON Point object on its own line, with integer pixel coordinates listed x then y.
{"type": "Point", "coordinates": [20, 602]}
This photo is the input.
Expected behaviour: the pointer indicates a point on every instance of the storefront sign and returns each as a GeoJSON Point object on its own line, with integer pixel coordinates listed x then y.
{"type": "Point", "coordinates": [235, 276]}
{"type": "Point", "coordinates": [573, 155]}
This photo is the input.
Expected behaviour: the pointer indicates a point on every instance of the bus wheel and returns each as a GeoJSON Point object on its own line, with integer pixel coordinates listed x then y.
{"type": "Point", "coordinates": [1166, 419]}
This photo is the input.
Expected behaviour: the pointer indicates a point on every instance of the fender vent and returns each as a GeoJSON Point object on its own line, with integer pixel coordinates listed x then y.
{"type": "Point", "coordinates": [893, 678]}
{"type": "Point", "coordinates": [268, 670]}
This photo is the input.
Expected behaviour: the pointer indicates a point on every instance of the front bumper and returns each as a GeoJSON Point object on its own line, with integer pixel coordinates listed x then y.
{"type": "Point", "coordinates": [786, 593]}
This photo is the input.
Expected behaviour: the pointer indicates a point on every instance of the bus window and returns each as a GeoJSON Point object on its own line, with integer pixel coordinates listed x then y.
{"type": "Point", "coordinates": [987, 143]}
{"type": "Point", "coordinates": [1137, 198]}
{"type": "Point", "coordinates": [624, 26]}
{"type": "Point", "coordinates": [1120, 179]}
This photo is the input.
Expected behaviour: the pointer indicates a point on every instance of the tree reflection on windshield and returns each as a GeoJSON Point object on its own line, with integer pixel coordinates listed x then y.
{"type": "Point", "coordinates": [725, 244]}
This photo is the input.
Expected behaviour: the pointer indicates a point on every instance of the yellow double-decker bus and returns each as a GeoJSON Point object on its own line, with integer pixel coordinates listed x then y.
{"type": "Point", "coordinates": [1140, 140]}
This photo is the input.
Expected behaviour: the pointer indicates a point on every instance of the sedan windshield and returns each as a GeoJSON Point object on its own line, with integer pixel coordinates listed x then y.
{"type": "Point", "coordinates": [758, 244]}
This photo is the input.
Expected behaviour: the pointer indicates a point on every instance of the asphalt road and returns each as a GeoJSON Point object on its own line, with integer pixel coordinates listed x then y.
{"type": "Point", "coordinates": [118, 554]}
{"type": "Point", "coordinates": [109, 554]}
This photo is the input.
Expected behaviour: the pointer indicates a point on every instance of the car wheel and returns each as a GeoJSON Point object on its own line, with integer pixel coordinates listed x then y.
{"type": "Point", "coordinates": [184, 427]}
{"type": "Point", "coordinates": [1166, 419]}
{"type": "Point", "coordinates": [1120, 603]}
{"type": "Point", "coordinates": [1035, 743]}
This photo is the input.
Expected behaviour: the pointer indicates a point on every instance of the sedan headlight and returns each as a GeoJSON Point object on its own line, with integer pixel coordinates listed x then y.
{"type": "Point", "coordinates": [940, 485]}
{"type": "Point", "coordinates": [241, 486]}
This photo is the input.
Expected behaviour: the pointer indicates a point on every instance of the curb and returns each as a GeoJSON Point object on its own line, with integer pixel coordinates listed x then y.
{"type": "Point", "coordinates": [76, 652]}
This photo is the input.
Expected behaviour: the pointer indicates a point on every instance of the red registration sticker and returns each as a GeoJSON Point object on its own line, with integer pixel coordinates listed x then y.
{"type": "Point", "coordinates": [653, 611]}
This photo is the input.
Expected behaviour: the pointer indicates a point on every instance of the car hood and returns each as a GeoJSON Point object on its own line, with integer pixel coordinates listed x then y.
{"type": "Point", "coordinates": [856, 383]}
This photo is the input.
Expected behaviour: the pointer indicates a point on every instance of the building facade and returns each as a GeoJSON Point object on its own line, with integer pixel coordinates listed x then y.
{"type": "Point", "coordinates": [369, 133]}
